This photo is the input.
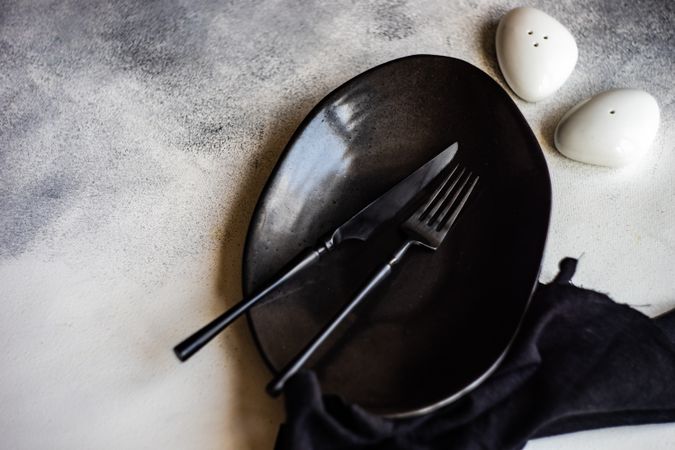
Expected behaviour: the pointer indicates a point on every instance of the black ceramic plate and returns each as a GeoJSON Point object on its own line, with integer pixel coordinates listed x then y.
{"type": "Point", "coordinates": [445, 319]}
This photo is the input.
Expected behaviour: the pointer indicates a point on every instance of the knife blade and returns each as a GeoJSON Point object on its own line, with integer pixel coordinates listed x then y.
{"type": "Point", "coordinates": [360, 226]}
{"type": "Point", "coordinates": [364, 223]}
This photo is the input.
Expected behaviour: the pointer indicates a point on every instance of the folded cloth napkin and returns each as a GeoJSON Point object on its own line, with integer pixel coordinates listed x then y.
{"type": "Point", "coordinates": [580, 361]}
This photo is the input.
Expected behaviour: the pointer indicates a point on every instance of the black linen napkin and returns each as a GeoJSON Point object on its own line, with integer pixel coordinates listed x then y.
{"type": "Point", "coordinates": [580, 361]}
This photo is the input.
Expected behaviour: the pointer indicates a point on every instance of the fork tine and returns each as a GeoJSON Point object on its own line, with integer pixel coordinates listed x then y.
{"type": "Point", "coordinates": [436, 221]}
{"type": "Point", "coordinates": [427, 208]}
{"type": "Point", "coordinates": [442, 206]}
{"type": "Point", "coordinates": [448, 217]}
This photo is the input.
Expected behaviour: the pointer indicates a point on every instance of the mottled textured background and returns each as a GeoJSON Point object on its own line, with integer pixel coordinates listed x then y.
{"type": "Point", "coordinates": [135, 138]}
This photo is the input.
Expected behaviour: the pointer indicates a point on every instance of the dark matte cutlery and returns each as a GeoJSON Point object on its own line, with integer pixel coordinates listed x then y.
{"type": "Point", "coordinates": [361, 226]}
{"type": "Point", "coordinates": [427, 227]}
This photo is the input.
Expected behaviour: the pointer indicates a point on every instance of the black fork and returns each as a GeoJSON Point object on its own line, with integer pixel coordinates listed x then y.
{"type": "Point", "coordinates": [427, 227]}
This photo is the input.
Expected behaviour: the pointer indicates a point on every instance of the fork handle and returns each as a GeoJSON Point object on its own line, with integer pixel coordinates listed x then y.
{"type": "Point", "coordinates": [204, 335]}
{"type": "Point", "coordinates": [275, 386]}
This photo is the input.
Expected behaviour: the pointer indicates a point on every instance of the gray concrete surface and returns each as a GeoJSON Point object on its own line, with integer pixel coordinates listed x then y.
{"type": "Point", "coordinates": [135, 138]}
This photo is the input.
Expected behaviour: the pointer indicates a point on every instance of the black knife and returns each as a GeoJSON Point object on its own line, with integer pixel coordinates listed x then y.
{"type": "Point", "coordinates": [361, 226]}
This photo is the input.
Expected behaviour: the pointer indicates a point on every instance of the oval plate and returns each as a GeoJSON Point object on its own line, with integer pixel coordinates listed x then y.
{"type": "Point", "coordinates": [444, 320]}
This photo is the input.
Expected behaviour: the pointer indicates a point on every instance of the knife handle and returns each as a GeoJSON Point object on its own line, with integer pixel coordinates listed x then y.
{"type": "Point", "coordinates": [275, 386]}
{"type": "Point", "coordinates": [203, 336]}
